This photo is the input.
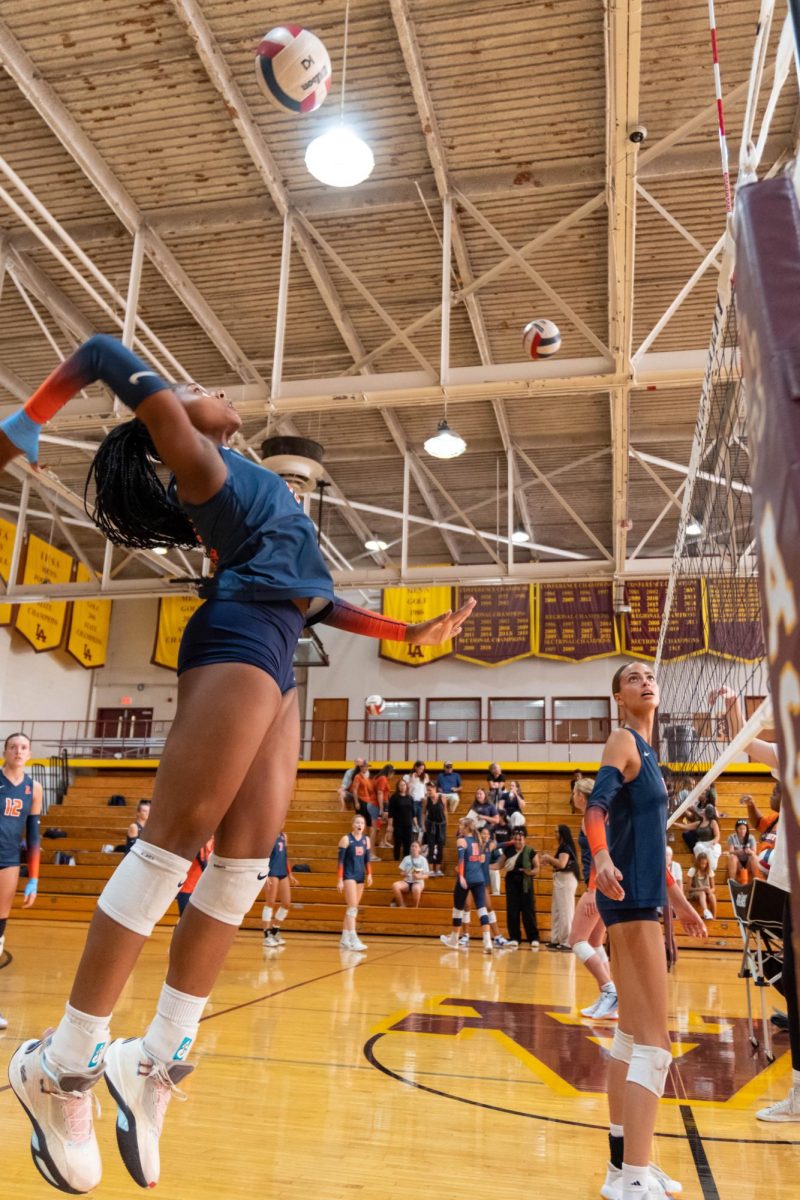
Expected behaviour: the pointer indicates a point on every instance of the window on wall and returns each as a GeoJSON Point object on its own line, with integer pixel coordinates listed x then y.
{"type": "Point", "coordinates": [399, 722]}
{"type": "Point", "coordinates": [751, 703]}
{"type": "Point", "coordinates": [585, 719]}
{"type": "Point", "coordinates": [454, 720]}
{"type": "Point", "coordinates": [517, 720]}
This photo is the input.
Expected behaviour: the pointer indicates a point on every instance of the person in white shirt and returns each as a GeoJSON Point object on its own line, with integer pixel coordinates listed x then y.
{"type": "Point", "coordinates": [765, 752]}
{"type": "Point", "coordinates": [675, 869]}
{"type": "Point", "coordinates": [414, 869]}
{"type": "Point", "coordinates": [346, 797]}
{"type": "Point", "coordinates": [417, 779]}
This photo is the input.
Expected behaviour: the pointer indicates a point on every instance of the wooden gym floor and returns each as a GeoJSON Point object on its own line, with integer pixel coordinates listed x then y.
{"type": "Point", "coordinates": [412, 1071]}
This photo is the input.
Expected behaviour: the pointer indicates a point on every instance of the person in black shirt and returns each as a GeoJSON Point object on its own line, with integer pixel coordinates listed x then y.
{"type": "Point", "coordinates": [401, 814]}
{"type": "Point", "coordinates": [565, 883]}
{"type": "Point", "coordinates": [435, 827]}
{"type": "Point", "coordinates": [520, 865]}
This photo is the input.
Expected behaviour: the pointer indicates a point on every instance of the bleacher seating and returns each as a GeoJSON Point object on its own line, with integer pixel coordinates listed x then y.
{"type": "Point", "coordinates": [313, 827]}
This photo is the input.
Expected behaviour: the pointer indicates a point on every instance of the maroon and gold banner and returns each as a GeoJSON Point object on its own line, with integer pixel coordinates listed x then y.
{"type": "Point", "coordinates": [43, 624]}
{"type": "Point", "coordinates": [87, 640]}
{"type": "Point", "coordinates": [734, 619]}
{"type": "Point", "coordinates": [173, 616]}
{"type": "Point", "coordinates": [415, 604]}
{"type": "Point", "coordinates": [576, 621]}
{"type": "Point", "coordinates": [640, 627]}
{"type": "Point", "coordinates": [8, 533]}
{"type": "Point", "coordinates": [501, 627]}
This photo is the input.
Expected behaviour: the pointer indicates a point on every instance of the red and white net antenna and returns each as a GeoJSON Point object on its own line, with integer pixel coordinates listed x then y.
{"type": "Point", "coordinates": [723, 141]}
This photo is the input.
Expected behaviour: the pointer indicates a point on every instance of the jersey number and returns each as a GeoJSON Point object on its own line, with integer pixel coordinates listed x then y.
{"type": "Point", "coordinates": [13, 806]}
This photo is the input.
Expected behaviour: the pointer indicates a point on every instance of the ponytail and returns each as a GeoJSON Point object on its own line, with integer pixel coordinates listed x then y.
{"type": "Point", "coordinates": [132, 507]}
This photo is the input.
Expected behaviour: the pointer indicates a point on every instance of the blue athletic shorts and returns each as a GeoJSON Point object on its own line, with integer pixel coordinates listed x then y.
{"type": "Point", "coordinates": [262, 634]}
{"type": "Point", "coordinates": [614, 915]}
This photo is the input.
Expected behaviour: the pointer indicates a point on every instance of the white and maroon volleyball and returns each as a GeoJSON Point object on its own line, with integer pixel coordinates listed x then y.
{"type": "Point", "coordinates": [293, 69]}
{"type": "Point", "coordinates": [541, 338]}
{"type": "Point", "coordinates": [375, 705]}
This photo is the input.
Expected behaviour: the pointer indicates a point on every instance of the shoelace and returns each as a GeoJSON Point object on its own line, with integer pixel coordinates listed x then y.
{"type": "Point", "coordinates": [78, 1108]}
{"type": "Point", "coordinates": [164, 1089]}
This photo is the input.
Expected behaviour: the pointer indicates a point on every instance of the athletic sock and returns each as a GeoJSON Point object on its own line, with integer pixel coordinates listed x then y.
{"type": "Point", "coordinates": [79, 1041]}
{"type": "Point", "coordinates": [635, 1181]}
{"type": "Point", "coordinates": [174, 1027]}
{"type": "Point", "coordinates": [795, 1079]}
{"type": "Point", "coordinates": [608, 987]}
{"type": "Point", "coordinates": [616, 1146]}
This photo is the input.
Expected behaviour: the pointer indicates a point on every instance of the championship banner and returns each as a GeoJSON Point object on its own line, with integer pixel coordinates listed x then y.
{"type": "Point", "coordinates": [501, 627]}
{"type": "Point", "coordinates": [8, 533]}
{"type": "Point", "coordinates": [734, 619]}
{"type": "Point", "coordinates": [173, 616]}
{"type": "Point", "coordinates": [43, 624]}
{"type": "Point", "coordinates": [576, 621]}
{"type": "Point", "coordinates": [640, 627]}
{"type": "Point", "coordinates": [87, 640]}
{"type": "Point", "coordinates": [415, 604]}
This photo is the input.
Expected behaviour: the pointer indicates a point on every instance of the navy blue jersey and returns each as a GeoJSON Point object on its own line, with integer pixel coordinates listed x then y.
{"type": "Point", "coordinates": [264, 545]}
{"type": "Point", "coordinates": [356, 855]}
{"type": "Point", "coordinates": [15, 806]}
{"type": "Point", "coordinates": [278, 863]}
{"type": "Point", "coordinates": [636, 831]}
{"type": "Point", "coordinates": [489, 850]}
{"type": "Point", "coordinates": [586, 855]}
{"type": "Point", "coordinates": [473, 860]}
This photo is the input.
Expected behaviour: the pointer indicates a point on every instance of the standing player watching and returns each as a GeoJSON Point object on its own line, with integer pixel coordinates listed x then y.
{"type": "Point", "coordinates": [354, 872]}
{"type": "Point", "coordinates": [470, 879]}
{"type": "Point", "coordinates": [20, 811]}
{"type": "Point", "coordinates": [270, 580]}
{"type": "Point", "coordinates": [588, 931]}
{"type": "Point", "coordinates": [631, 874]}
{"type": "Point", "coordinates": [278, 887]}
{"type": "Point", "coordinates": [765, 752]}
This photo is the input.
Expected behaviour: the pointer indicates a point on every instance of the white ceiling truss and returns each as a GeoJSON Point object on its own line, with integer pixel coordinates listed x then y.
{"type": "Point", "coordinates": [368, 313]}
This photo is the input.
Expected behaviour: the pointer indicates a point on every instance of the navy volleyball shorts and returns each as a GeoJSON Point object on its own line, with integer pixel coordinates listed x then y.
{"type": "Point", "coordinates": [262, 634]}
{"type": "Point", "coordinates": [612, 914]}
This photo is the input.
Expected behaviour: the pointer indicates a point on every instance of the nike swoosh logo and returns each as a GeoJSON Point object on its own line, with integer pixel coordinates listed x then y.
{"type": "Point", "coordinates": [137, 375]}
{"type": "Point", "coordinates": [261, 877]}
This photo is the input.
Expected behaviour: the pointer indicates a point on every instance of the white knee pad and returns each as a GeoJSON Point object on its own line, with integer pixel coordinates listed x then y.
{"type": "Point", "coordinates": [281, 914]}
{"type": "Point", "coordinates": [600, 951]}
{"type": "Point", "coordinates": [351, 911]}
{"type": "Point", "coordinates": [583, 951]}
{"type": "Point", "coordinates": [143, 886]}
{"type": "Point", "coordinates": [266, 914]}
{"type": "Point", "coordinates": [648, 1067]}
{"type": "Point", "coordinates": [622, 1046]}
{"type": "Point", "coordinates": [458, 914]}
{"type": "Point", "coordinates": [466, 915]}
{"type": "Point", "coordinates": [483, 916]}
{"type": "Point", "coordinates": [229, 886]}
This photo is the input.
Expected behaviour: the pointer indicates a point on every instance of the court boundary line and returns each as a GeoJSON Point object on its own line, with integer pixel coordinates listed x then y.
{"type": "Point", "coordinates": [368, 1051]}
{"type": "Point", "coordinates": [701, 1164]}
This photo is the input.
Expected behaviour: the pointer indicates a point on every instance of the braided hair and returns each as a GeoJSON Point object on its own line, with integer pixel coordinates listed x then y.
{"type": "Point", "coordinates": [132, 507]}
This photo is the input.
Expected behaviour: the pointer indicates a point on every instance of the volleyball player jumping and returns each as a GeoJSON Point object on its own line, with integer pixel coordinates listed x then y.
{"type": "Point", "coordinates": [236, 688]}
{"type": "Point", "coordinates": [625, 821]}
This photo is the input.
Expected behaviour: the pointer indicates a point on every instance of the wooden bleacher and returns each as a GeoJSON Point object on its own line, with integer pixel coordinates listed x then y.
{"type": "Point", "coordinates": [313, 827]}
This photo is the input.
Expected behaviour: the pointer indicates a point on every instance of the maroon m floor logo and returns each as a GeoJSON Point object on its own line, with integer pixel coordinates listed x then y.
{"type": "Point", "coordinates": [713, 1059]}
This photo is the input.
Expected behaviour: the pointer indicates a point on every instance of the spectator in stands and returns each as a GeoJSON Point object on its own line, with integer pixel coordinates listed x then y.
{"type": "Point", "coordinates": [495, 779]}
{"type": "Point", "coordinates": [364, 791]}
{"type": "Point", "coordinates": [512, 804]}
{"type": "Point", "coordinates": [384, 783]}
{"type": "Point", "coordinates": [565, 883]}
{"type": "Point", "coordinates": [401, 814]}
{"type": "Point", "coordinates": [741, 848]}
{"type": "Point", "coordinates": [137, 825]}
{"type": "Point", "coordinates": [700, 892]}
{"type": "Point", "coordinates": [675, 869]}
{"type": "Point", "coordinates": [685, 787]}
{"type": "Point", "coordinates": [519, 865]}
{"type": "Point", "coordinates": [485, 809]}
{"type": "Point", "coordinates": [701, 834]}
{"type": "Point", "coordinates": [417, 779]}
{"type": "Point", "coordinates": [415, 870]}
{"type": "Point", "coordinates": [767, 826]}
{"type": "Point", "coordinates": [448, 783]}
{"type": "Point", "coordinates": [346, 797]}
{"type": "Point", "coordinates": [435, 827]}
{"type": "Point", "coordinates": [574, 777]}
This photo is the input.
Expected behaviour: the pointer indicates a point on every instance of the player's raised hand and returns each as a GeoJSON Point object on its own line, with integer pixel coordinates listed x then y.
{"type": "Point", "coordinates": [442, 628]}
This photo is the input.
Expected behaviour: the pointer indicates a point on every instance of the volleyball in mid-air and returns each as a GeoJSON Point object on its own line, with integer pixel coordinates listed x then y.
{"type": "Point", "coordinates": [375, 705]}
{"type": "Point", "coordinates": [293, 69]}
{"type": "Point", "coordinates": [541, 338]}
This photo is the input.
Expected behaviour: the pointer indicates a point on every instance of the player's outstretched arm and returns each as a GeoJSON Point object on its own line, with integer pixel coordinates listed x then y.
{"type": "Point", "coordinates": [352, 619]}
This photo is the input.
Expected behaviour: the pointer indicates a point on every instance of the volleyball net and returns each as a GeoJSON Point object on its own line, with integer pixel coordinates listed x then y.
{"type": "Point", "coordinates": [739, 534]}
